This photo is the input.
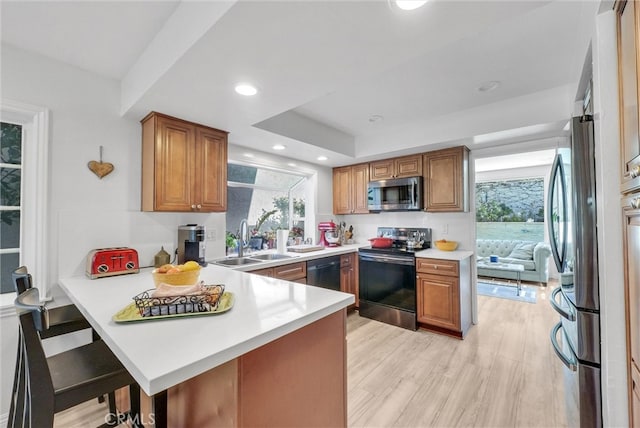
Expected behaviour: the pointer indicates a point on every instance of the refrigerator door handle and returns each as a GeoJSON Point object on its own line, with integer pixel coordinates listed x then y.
{"type": "Point", "coordinates": [554, 303]}
{"type": "Point", "coordinates": [570, 362]}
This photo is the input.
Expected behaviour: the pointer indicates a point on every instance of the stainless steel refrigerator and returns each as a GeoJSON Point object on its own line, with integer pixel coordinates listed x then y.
{"type": "Point", "coordinates": [571, 219]}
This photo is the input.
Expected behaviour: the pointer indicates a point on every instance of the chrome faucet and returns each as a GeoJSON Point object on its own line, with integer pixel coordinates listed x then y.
{"type": "Point", "coordinates": [243, 238]}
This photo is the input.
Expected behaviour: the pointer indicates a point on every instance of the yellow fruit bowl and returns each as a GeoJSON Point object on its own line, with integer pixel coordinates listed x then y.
{"type": "Point", "coordinates": [187, 277]}
{"type": "Point", "coordinates": [446, 245]}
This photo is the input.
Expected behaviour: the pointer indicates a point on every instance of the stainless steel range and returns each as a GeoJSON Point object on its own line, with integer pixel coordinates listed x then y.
{"type": "Point", "coordinates": [388, 276]}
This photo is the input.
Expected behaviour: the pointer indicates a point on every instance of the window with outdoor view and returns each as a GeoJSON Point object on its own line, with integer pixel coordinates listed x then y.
{"type": "Point", "coordinates": [10, 203]}
{"type": "Point", "coordinates": [510, 209]}
{"type": "Point", "coordinates": [268, 199]}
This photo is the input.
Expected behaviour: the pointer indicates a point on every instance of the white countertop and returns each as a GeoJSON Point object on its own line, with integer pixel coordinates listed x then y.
{"type": "Point", "coordinates": [434, 253]}
{"type": "Point", "coordinates": [163, 353]}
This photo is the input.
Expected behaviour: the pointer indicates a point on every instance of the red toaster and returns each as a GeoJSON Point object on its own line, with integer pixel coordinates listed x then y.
{"type": "Point", "coordinates": [103, 262]}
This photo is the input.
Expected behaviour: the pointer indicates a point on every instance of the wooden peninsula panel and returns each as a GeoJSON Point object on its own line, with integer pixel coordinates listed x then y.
{"type": "Point", "coordinates": [297, 380]}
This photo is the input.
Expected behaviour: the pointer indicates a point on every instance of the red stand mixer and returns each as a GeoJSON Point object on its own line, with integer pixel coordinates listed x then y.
{"type": "Point", "coordinates": [329, 234]}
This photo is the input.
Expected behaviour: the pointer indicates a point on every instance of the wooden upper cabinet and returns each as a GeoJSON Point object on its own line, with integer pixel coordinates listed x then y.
{"type": "Point", "coordinates": [406, 166]}
{"type": "Point", "coordinates": [628, 20]}
{"type": "Point", "coordinates": [350, 189]}
{"type": "Point", "coordinates": [446, 182]}
{"type": "Point", "coordinates": [184, 166]}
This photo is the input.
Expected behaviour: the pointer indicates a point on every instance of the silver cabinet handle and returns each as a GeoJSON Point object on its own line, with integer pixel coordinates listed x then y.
{"type": "Point", "coordinates": [635, 171]}
{"type": "Point", "coordinates": [193, 206]}
{"type": "Point", "coordinates": [199, 206]}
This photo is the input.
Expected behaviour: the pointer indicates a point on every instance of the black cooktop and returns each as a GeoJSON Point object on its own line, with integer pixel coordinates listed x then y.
{"type": "Point", "coordinates": [400, 235]}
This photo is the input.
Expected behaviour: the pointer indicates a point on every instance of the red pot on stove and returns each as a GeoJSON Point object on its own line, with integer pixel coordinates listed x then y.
{"type": "Point", "coordinates": [381, 242]}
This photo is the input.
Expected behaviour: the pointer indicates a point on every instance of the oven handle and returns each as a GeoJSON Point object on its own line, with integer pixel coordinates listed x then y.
{"type": "Point", "coordinates": [388, 259]}
{"type": "Point", "coordinates": [567, 361]}
{"type": "Point", "coordinates": [554, 303]}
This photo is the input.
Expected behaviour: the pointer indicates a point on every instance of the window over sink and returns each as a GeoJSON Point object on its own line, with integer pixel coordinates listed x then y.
{"type": "Point", "coordinates": [269, 199]}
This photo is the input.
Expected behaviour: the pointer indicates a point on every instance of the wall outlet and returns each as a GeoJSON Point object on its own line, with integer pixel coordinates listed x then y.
{"type": "Point", "coordinates": [445, 229]}
{"type": "Point", "coordinates": [211, 235]}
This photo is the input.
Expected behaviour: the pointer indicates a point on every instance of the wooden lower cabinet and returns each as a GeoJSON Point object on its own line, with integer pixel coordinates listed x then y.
{"type": "Point", "coordinates": [438, 301]}
{"type": "Point", "coordinates": [296, 272]}
{"type": "Point", "coordinates": [263, 272]}
{"type": "Point", "coordinates": [444, 295]}
{"type": "Point", "coordinates": [631, 248]}
{"type": "Point", "coordinates": [349, 276]}
{"type": "Point", "coordinates": [635, 397]}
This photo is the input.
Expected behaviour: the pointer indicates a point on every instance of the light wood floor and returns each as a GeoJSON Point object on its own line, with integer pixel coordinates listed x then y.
{"type": "Point", "coordinates": [503, 374]}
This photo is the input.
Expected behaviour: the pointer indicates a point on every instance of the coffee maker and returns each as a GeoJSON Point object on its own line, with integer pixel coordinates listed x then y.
{"type": "Point", "coordinates": [191, 240]}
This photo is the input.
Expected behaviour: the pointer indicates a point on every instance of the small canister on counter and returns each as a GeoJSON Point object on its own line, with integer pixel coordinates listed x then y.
{"type": "Point", "coordinates": [161, 258]}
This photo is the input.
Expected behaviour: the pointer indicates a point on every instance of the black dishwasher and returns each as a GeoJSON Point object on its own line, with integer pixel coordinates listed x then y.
{"type": "Point", "coordinates": [324, 272]}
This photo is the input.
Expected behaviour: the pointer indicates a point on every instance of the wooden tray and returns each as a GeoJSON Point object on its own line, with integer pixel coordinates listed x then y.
{"type": "Point", "coordinates": [130, 313]}
{"type": "Point", "coordinates": [305, 248]}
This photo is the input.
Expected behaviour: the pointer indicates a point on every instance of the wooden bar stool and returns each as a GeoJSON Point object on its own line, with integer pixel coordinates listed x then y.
{"type": "Point", "coordinates": [45, 386]}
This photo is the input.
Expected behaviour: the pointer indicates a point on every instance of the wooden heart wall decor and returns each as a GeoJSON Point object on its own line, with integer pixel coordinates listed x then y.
{"type": "Point", "coordinates": [101, 169]}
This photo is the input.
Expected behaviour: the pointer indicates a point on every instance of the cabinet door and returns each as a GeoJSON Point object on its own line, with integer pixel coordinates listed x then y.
{"type": "Point", "coordinates": [438, 301]}
{"type": "Point", "coordinates": [359, 185]}
{"type": "Point", "coordinates": [446, 182]}
{"type": "Point", "coordinates": [631, 240]}
{"type": "Point", "coordinates": [628, 21]}
{"type": "Point", "coordinates": [174, 155]}
{"type": "Point", "coordinates": [635, 397]}
{"type": "Point", "coordinates": [210, 184]}
{"type": "Point", "coordinates": [381, 170]}
{"type": "Point", "coordinates": [342, 190]}
{"type": "Point", "coordinates": [408, 166]}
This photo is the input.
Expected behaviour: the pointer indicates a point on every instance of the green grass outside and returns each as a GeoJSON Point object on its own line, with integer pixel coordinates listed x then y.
{"type": "Point", "coordinates": [511, 230]}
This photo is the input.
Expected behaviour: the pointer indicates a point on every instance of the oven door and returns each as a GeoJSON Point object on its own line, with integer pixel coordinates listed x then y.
{"type": "Point", "coordinates": [388, 289]}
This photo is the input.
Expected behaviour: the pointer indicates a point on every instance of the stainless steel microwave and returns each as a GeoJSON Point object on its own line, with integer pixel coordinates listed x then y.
{"type": "Point", "coordinates": [400, 194]}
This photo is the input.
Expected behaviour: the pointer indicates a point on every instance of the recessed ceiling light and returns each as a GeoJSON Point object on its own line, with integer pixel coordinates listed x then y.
{"type": "Point", "coordinates": [246, 89]}
{"type": "Point", "coordinates": [410, 4]}
{"type": "Point", "coordinates": [292, 164]}
{"type": "Point", "coordinates": [279, 147]}
{"type": "Point", "coordinates": [248, 155]}
{"type": "Point", "coordinates": [375, 118]}
{"type": "Point", "coordinates": [322, 158]}
{"type": "Point", "coordinates": [488, 86]}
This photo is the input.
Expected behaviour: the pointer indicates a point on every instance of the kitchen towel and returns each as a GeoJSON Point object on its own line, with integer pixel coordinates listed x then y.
{"type": "Point", "coordinates": [282, 236]}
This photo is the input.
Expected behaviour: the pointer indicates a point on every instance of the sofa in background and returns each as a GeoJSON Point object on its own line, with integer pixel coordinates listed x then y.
{"type": "Point", "coordinates": [534, 256]}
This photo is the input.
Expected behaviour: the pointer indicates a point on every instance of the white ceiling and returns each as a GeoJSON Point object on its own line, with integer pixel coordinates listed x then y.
{"type": "Point", "coordinates": [324, 68]}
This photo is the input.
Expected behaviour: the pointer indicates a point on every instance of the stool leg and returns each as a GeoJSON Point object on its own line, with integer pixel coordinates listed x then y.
{"type": "Point", "coordinates": [134, 403]}
{"type": "Point", "coordinates": [160, 409]}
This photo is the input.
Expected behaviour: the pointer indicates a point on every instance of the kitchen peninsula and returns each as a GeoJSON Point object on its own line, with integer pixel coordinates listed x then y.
{"type": "Point", "coordinates": [277, 358]}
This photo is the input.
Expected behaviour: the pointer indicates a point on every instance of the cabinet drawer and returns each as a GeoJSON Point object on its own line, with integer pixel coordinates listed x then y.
{"type": "Point", "coordinates": [291, 272]}
{"type": "Point", "coordinates": [263, 272]}
{"type": "Point", "coordinates": [346, 260]}
{"type": "Point", "coordinates": [437, 266]}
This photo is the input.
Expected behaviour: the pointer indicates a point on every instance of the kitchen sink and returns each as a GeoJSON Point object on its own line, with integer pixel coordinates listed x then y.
{"type": "Point", "coordinates": [236, 261]}
{"type": "Point", "coordinates": [271, 256]}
